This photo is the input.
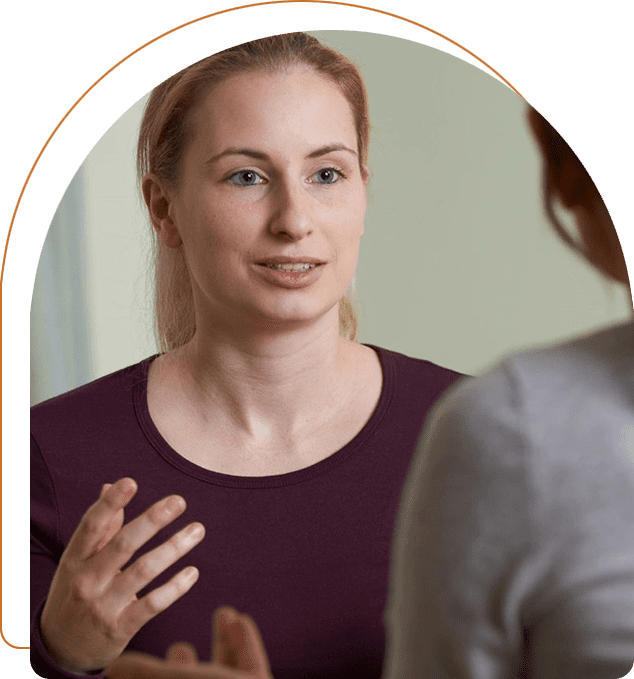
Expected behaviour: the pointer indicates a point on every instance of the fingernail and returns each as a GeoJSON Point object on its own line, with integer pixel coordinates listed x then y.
{"type": "Point", "coordinates": [191, 573]}
{"type": "Point", "coordinates": [229, 616]}
{"type": "Point", "coordinates": [128, 486]}
{"type": "Point", "coordinates": [175, 503]}
{"type": "Point", "coordinates": [196, 531]}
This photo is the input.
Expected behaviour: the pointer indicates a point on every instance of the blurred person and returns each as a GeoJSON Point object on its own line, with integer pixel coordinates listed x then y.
{"type": "Point", "coordinates": [514, 553]}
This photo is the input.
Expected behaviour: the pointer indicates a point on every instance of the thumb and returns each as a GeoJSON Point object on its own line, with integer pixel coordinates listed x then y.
{"type": "Point", "coordinates": [237, 643]}
{"type": "Point", "coordinates": [222, 651]}
{"type": "Point", "coordinates": [251, 654]}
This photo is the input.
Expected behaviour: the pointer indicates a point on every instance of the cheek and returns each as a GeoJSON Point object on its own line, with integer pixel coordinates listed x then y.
{"type": "Point", "coordinates": [211, 224]}
{"type": "Point", "coordinates": [349, 229]}
{"type": "Point", "coordinates": [350, 219]}
{"type": "Point", "coordinates": [359, 221]}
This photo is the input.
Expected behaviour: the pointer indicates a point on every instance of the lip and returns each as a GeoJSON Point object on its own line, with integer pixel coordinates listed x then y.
{"type": "Point", "coordinates": [289, 260]}
{"type": "Point", "coordinates": [290, 280]}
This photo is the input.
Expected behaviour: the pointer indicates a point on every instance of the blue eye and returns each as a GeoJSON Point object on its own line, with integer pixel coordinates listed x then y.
{"type": "Point", "coordinates": [328, 175]}
{"type": "Point", "coordinates": [246, 178]}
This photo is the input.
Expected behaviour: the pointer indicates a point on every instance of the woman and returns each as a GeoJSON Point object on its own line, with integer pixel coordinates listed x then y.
{"type": "Point", "coordinates": [287, 441]}
{"type": "Point", "coordinates": [514, 556]}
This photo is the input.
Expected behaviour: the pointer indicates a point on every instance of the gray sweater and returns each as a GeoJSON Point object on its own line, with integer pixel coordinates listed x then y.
{"type": "Point", "coordinates": [514, 551]}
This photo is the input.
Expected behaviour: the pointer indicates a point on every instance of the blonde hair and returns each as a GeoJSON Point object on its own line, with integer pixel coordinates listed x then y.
{"type": "Point", "coordinates": [163, 137]}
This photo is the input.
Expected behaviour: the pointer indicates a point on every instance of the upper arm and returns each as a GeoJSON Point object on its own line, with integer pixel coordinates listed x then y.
{"type": "Point", "coordinates": [45, 547]}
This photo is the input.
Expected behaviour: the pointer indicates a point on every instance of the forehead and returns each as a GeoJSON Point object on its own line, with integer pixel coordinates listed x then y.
{"type": "Point", "coordinates": [296, 107]}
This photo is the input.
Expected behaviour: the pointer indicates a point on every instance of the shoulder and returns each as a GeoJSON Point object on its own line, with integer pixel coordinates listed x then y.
{"type": "Point", "coordinates": [98, 399]}
{"type": "Point", "coordinates": [548, 410]}
{"type": "Point", "coordinates": [410, 389]}
{"type": "Point", "coordinates": [596, 366]}
{"type": "Point", "coordinates": [415, 376]}
{"type": "Point", "coordinates": [593, 373]}
{"type": "Point", "coordinates": [551, 427]}
{"type": "Point", "coordinates": [88, 436]}
{"type": "Point", "coordinates": [413, 386]}
{"type": "Point", "coordinates": [605, 350]}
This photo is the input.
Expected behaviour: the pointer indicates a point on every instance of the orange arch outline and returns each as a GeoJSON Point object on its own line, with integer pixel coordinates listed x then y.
{"type": "Point", "coordinates": [70, 110]}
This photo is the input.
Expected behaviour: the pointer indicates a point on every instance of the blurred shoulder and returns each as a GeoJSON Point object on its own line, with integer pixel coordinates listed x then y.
{"type": "Point", "coordinates": [552, 404]}
{"type": "Point", "coordinates": [597, 365]}
{"type": "Point", "coordinates": [584, 371]}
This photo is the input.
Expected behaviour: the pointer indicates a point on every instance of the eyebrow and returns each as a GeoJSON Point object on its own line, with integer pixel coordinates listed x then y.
{"type": "Point", "coordinates": [329, 149]}
{"type": "Point", "coordinates": [252, 153]}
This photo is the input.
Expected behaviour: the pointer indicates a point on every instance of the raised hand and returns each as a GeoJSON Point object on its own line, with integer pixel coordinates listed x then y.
{"type": "Point", "coordinates": [92, 610]}
{"type": "Point", "coordinates": [238, 653]}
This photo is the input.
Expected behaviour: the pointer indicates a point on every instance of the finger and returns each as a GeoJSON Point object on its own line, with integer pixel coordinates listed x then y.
{"type": "Point", "coordinates": [237, 643]}
{"type": "Point", "coordinates": [104, 488]}
{"type": "Point", "coordinates": [133, 536]}
{"type": "Point", "coordinates": [139, 612]}
{"type": "Point", "coordinates": [221, 648]}
{"type": "Point", "coordinates": [249, 651]}
{"type": "Point", "coordinates": [99, 518]}
{"type": "Point", "coordinates": [141, 666]}
{"type": "Point", "coordinates": [117, 524]}
{"type": "Point", "coordinates": [182, 654]}
{"type": "Point", "coordinates": [135, 577]}
{"type": "Point", "coordinates": [138, 666]}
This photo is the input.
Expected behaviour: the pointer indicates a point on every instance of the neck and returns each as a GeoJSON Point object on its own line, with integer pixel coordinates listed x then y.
{"type": "Point", "coordinates": [265, 382]}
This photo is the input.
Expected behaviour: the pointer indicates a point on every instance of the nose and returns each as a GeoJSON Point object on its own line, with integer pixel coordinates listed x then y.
{"type": "Point", "coordinates": [291, 212]}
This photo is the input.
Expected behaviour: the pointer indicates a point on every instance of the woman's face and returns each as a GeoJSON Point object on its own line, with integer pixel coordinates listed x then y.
{"type": "Point", "coordinates": [271, 200]}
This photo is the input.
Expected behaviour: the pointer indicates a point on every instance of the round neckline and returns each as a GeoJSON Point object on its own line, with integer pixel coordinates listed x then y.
{"type": "Point", "coordinates": [174, 458]}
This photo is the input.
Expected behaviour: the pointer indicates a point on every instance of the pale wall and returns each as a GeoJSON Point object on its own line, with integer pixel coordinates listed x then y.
{"type": "Point", "coordinates": [458, 264]}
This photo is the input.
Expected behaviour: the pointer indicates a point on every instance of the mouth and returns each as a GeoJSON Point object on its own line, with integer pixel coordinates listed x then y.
{"type": "Point", "coordinates": [291, 272]}
{"type": "Point", "coordinates": [301, 266]}
{"type": "Point", "coordinates": [291, 263]}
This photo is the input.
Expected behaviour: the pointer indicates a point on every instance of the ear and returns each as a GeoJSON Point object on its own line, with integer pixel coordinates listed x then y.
{"type": "Point", "coordinates": [158, 201]}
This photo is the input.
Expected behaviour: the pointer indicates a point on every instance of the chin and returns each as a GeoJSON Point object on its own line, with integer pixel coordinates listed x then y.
{"type": "Point", "coordinates": [295, 315]}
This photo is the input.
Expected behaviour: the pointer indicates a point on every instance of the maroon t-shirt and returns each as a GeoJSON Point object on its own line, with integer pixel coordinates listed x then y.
{"type": "Point", "coordinates": [306, 554]}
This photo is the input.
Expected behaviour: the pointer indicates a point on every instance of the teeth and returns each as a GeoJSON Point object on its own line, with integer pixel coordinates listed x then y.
{"type": "Point", "coordinates": [292, 267]}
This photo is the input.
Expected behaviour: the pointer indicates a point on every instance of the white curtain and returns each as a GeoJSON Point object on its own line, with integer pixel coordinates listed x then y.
{"type": "Point", "coordinates": [60, 345]}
